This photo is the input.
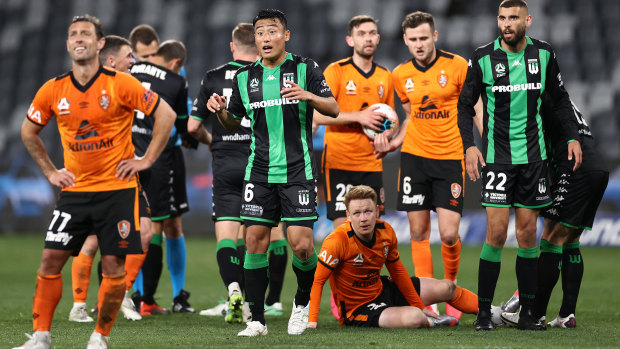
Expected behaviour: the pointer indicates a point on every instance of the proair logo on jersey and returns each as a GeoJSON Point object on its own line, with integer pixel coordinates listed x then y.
{"type": "Point", "coordinates": [442, 79]}
{"type": "Point", "coordinates": [351, 88]}
{"type": "Point", "coordinates": [532, 66]}
{"type": "Point", "coordinates": [427, 104]}
{"type": "Point", "coordinates": [124, 227]}
{"type": "Point", "coordinates": [63, 107]}
{"type": "Point", "coordinates": [86, 131]}
{"type": "Point", "coordinates": [429, 110]}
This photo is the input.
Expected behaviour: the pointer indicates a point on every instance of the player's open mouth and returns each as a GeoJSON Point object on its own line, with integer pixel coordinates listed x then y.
{"type": "Point", "coordinates": [79, 49]}
{"type": "Point", "coordinates": [267, 49]}
{"type": "Point", "coordinates": [508, 34]}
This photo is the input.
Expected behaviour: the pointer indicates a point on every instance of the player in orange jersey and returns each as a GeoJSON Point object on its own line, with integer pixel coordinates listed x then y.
{"type": "Point", "coordinates": [94, 111]}
{"type": "Point", "coordinates": [357, 82]}
{"type": "Point", "coordinates": [431, 173]}
{"type": "Point", "coordinates": [352, 257]}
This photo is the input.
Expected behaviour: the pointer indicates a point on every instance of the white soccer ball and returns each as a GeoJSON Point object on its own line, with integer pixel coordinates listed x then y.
{"type": "Point", "coordinates": [390, 123]}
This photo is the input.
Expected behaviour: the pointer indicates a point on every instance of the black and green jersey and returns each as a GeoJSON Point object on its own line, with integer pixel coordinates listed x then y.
{"type": "Point", "coordinates": [281, 142]}
{"type": "Point", "coordinates": [511, 85]}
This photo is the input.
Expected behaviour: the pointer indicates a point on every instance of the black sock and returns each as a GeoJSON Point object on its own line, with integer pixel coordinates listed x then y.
{"type": "Point", "coordinates": [228, 261]}
{"type": "Point", "coordinates": [572, 272]}
{"type": "Point", "coordinates": [549, 264]}
{"type": "Point", "coordinates": [256, 270]}
{"type": "Point", "coordinates": [304, 270]}
{"type": "Point", "coordinates": [527, 279]}
{"type": "Point", "coordinates": [151, 271]}
{"type": "Point", "coordinates": [278, 256]}
{"type": "Point", "coordinates": [99, 272]}
{"type": "Point", "coordinates": [488, 273]}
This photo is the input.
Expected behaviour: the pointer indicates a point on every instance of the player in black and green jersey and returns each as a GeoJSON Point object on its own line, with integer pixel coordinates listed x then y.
{"type": "Point", "coordinates": [510, 74]}
{"type": "Point", "coordinates": [278, 94]}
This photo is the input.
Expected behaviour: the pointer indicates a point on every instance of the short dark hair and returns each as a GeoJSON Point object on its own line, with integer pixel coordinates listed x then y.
{"type": "Point", "coordinates": [360, 192]}
{"type": "Point", "coordinates": [144, 34]}
{"type": "Point", "coordinates": [90, 19]}
{"type": "Point", "coordinates": [269, 14]}
{"type": "Point", "coordinates": [513, 3]}
{"type": "Point", "coordinates": [415, 19]}
{"type": "Point", "coordinates": [113, 43]}
{"type": "Point", "coordinates": [357, 20]}
{"type": "Point", "coordinates": [171, 49]}
{"type": "Point", "coordinates": [243, 35]}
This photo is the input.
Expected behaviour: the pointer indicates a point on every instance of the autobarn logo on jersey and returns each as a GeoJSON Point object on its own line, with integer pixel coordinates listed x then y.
{"type": "Point", "coordinates": [532, 66]}
{"type": "Point", "coordinates": [124, 228]}
{"type": "Point", "coordinates": [455, 189]}
{"type": "Point", "coordinates": [442, 79]}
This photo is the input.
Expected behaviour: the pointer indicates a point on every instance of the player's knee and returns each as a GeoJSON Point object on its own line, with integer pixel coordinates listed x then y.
{"type": "Point", "coordinates": [303, 249]}
{"type": "Point", "coordinates": [450, 238]}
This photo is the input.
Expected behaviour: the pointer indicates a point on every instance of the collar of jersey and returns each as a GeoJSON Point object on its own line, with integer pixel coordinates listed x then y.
{"type": "Point", "coordinates": [497, 45]}
{"type": "Point", "coordinates": [288, 56]}
{"type": "Point", "coordinates": [83, 88]}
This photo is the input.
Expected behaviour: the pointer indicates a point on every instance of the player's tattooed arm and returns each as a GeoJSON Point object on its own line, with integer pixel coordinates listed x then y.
{"type": "Point", "coordinates": [30, 136]}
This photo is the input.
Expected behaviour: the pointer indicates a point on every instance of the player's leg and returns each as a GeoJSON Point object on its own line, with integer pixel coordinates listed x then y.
{"type": "Point", "coordinates": [403, 317]}
{"type": "Point", "coordinates": [176, 258]}
{"type": "Point", "coordinates": [80, 279]}
{"type": "Point", "coordinates": [549, 263]}
{"type": "Point", "coordinates": [437, 291]}
{"type": "Point", "coordinates": [278, 256]}
{"type": "Point", "coordinates": [228, 262]}
{"type": "Point", "coordinates": [151, 272]}
{"type": "Point", "coordinates": [301, 240]}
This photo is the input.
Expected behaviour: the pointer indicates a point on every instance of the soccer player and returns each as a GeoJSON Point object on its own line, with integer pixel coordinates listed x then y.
{"type": "Point", "coordinates": [144, 42]}
{"type": "Point", "coordinates": [278, 94]}
{"type": "Point", "coordinates": [230, 151]}
{"type": "Point", "coordinates": [431, 173]}
{"type": "Point", "coordinates": [510, 74]}
{"type": "Point", "coordinates": [164, 182]}
{"type": "Point", "coordinates": [576, 196]}
{"type": "Point", "coordinates": [352, 257]}
{"type": "Point", "coordinates": [94, 108]}
{"type": "Point", "coordinates": [357, 82]}
{"type": "Point", "coordinates": [116, 53]}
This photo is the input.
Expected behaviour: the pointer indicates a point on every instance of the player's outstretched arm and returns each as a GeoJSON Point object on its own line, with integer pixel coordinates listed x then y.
{"type": "Point", "coordinates": [198, 131]}
{"type": "Point", "coordinates": [164, 120]}
{"type": "Point", "coordinates": [217, 104]}
{"type": "Point", "coordinates": [368, 117]}
{"type": "Point", "coordinates": [30, 136]}
{"type": "Point", "coordinates": [324, 105]}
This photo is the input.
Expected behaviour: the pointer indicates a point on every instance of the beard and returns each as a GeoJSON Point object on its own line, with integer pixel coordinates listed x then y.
{"type": "Point", "coordinates": [364, 54]}
{"type": "Point", "coordinates": [518, 35]}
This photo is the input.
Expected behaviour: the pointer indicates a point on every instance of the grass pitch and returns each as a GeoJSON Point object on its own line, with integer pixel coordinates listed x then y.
{"type": "Point", "coordinates": [598, 310]}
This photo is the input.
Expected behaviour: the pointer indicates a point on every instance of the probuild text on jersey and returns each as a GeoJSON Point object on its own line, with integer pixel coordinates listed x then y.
{"type": "Point", "coordinates": [271, 103]}
{"type": "Point", "coordinates": [517, 87]}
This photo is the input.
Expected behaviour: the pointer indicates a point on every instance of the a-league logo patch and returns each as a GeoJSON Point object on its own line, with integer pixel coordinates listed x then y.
{"type": "Point", "coordinates": [124, 227]}
{"type": "Point", "coordinates": [456, 189]}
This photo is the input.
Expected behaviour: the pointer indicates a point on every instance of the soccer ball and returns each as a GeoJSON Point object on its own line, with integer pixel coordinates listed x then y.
{"type": "Point", "coordinates": [389, 126]}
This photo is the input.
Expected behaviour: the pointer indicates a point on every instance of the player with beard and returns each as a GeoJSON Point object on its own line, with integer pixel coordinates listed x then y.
{"type": "Point", "coordinates": [511, 74]}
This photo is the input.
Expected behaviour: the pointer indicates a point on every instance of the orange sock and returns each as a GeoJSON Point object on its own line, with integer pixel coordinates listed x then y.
{"type": "Point", "coordinates": [47, 294]}
{"type": "Point", "coordinates": [111, 293]}
{"type": "Point", "coordinates": [133, 263]}
{"type": "Point", "coordinates": [80, 277]}
{"type": "Point", "coordinates": [451, 259]}
{"type": "Point", "coordinates": [422, 258]}
{"type": "Point", "coordinates": [465, 301]}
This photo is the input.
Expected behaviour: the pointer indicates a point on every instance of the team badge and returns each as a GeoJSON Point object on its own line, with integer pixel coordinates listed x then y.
{"type": "Point", "coordinates": [351, 88]}
{"type": "Point", "coordinates": [542, 185]}
{"type": "Point", "coordinates": [442, 79]}
{"type": "Point", "coordinates": [286, 77]}
{"type": "Point", "coordinates": [63, 106]}
{"type": "Point", "coordinates": [304, 197]}
{"type": "Point", "coordinates": [532, 66]}
{"type": "Point", "coordinates": [456, 189]}
{"type": "Point", "coordinates": [409, 85]}
{"type": "Point", "coordinates": [124, 227]}
{"type": "Point", "coordinates": [104, 102]}
{"type": "Point", "coordinates": [380, 90]}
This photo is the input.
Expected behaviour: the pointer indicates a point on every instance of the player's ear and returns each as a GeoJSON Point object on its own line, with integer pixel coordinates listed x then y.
{"type": "Point", "coordinates": [349, 40]}
{"type": "Point", "coordinates": [435, 36]}
{"type": "Point", "coordinates": [528, 20]}
{"type": "Point", "coordinates": [287, 35]}
{"type": "Point", "coordinates": [100, 44]}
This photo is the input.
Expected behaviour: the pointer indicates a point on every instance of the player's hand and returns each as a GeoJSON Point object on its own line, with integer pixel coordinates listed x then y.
{"type": "Point", "coordinates": [62, 178]}
{"type": "Point", "coordinates": [216, 103]}
{"type": "Point", "coordinates": [574, 151]}
{"type": "Point", "coordinates": [311, 324]}
{"type": "Point", "coordinates": [382, 146]}
{"type": "Point", "coordinates": [128, 168]}
{"type": "Point", "coordinates": [430, 313]}
{"type": "Point", "coordinates": [371, 118]}
{"type": "Point", "coordinates": [473, 156]}
{"type": "Point", "coordinates": [295, 92]}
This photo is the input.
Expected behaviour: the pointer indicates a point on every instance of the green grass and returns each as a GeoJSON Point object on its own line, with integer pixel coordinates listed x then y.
{"type": "Point", "coordinates": [598, 315]}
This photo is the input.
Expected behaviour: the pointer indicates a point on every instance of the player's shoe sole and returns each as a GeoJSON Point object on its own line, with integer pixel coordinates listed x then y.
{"type": "Point", "coordinates": [234, 313]}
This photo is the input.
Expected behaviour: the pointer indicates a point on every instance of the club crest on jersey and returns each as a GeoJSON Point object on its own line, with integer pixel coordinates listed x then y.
{"type": "Point", "coordinates": [409, 85]}
{"type": "Point", "coordinates": [124, 227]}
{"type": "Point", "coordinates": [532, 66]}
{"type": "Point", "coordinates": [104, 102]}
{"type": "Point", "coordinates": [456, 189]}
{"type": "Point", "coordinates": [63, 106]}
{"type": "Point", "coordinates": [442, 79]}
{"type": "Point", "coordinates": [286, 77]}
{"type": "Point", "coordinates": [542, 185]}
{"type": "Point", "coordinates": [380, 90]}
{"type": "Point", "coordinates": [351, 88]}
{"type": "Point", "coordinates": [304, 197]}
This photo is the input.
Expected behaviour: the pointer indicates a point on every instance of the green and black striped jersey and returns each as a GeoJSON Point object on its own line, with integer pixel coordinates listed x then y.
{"type": "Point", "coordinates": [281, 142]}
{"type": "Point", "coordinates": [511, 85]}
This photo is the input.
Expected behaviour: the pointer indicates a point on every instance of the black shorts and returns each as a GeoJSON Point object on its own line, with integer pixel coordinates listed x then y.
{"type": "Point", "coordinates": [268, 203]}
{"type": "Point", "coordinates": [525, 185]}
{"type": "Point", "coordinates": [425, 184]}
{"type": "Point", "coordinates": [228, 173]}
{"type": "Point", "coordinates": [367, 315]}
{"type": "Point", "coordinates": [112, 215]}
{"type": "Point", "coordinates": [339, 182]}
{"type": "Point", "coordinates": [576, 196]}
{"type": "Point", "coordinates": [164, 184]}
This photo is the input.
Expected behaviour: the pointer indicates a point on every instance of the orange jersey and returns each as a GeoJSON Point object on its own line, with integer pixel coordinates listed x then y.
{"type": "Point", "coordinates": [94, 122]}
{"type": "Point", "coordinates": [347, 147]}
{"type": "Point", "coordinates": [433, 93]}
{"type": "Point", "coordinates": [353, 268]}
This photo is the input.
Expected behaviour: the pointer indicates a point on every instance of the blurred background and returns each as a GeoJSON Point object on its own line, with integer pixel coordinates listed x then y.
{"type": "Point", "coordinates": [32, 50]}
